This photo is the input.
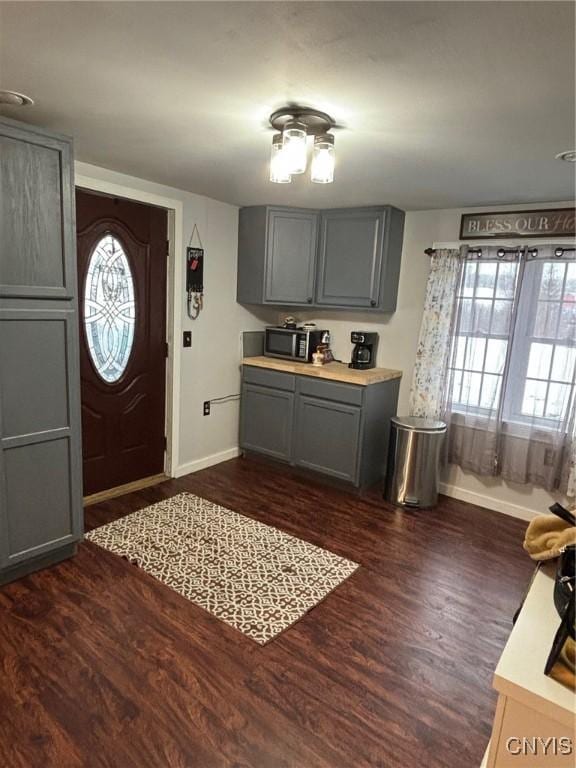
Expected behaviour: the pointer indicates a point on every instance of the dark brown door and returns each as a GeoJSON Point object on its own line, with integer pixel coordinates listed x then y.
{"type": "Point", "coordinates": [122, 255]}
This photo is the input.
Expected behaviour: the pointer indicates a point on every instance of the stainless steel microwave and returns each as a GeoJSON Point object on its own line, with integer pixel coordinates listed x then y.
{"type": "Point", "coordinates": [292, 343]}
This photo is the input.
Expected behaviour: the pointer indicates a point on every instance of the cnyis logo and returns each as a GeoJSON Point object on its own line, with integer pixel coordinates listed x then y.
{"type": "Point", "coordinates": [552, 746]}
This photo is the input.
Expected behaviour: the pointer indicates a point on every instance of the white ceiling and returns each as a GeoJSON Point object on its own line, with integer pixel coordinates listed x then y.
{"type": "Point", "coordinates": [445, 104]}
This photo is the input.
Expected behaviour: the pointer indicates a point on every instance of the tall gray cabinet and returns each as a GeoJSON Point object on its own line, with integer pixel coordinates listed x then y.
{"type": "Point", "coordinates": [40, 456]}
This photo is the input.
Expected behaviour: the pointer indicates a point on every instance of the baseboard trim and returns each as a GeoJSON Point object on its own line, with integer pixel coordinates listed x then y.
{"type": "Point", "coordinates": [121, 490]}
{"type": "Point", "coordinates": [488, 502]}
{"type": "Point", "coordinates": [479, 499]}
{"type": "Point", "coordinates": [207, 461]}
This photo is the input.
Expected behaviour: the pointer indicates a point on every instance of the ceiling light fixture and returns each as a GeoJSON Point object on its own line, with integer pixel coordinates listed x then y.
{"type": "Point", "coordinates": [279, 172]}
{"type": "Point", "coordinates": [323, 159]}
{"type": "Point", "coordinates": [15, 99]}
{"type": "Point", "coordinates": [289, 147]}
{"type": "Point", "coordinates": [569, 155]}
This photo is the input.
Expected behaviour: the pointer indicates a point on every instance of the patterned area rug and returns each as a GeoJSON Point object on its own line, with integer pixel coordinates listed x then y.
{"type": "Point", "coordinates": [250, 575]}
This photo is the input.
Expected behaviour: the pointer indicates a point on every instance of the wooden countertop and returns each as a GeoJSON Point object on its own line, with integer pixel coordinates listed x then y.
{"type": "Point", "coordinates": [331, 371]}
{"type": "Point", "coordinates": [520, 672]}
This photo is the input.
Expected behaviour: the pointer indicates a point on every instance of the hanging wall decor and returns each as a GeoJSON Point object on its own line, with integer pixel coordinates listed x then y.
{"type": "Point", "coordinates": [194, 276]}
{"type": "Point", "coordinates": [556, 222]}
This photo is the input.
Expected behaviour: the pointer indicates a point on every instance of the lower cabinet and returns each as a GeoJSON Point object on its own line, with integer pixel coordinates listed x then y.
{"type": "Point", "coordinates": [327, 437]}
{"type": "Point", "coordinates": [266, 423]}
{"type": "Point", "coordinates": [337, 429]}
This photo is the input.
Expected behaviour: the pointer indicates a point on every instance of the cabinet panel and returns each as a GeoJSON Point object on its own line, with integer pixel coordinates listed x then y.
{"type": "Point", "coordinates": [45, 518]}
{"type": "Point", "coordinates": [291, 256]}
{"type": "Point", "coordinates": [350, 258]}
{"type": "Point", "coordinates": [37, 248]}
{"type": "Point", "coordinates": [36, 342]}
{"type": "Point", "coordinates": [267, 378]}
{"type": "Point", "coordinates": [328, 437]}
{"type": "Point", "coordinates": [266, 421]}
{"type": "Point", "coordinates": [331, 390]}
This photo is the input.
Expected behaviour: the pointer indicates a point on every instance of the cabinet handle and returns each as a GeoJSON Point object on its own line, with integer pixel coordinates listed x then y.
{"type": "Point", "coordinates": [309, 299]}
{"type": "Point", "coordinates": [373, 302]}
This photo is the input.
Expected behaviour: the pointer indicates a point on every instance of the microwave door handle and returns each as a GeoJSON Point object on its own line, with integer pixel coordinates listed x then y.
{"type": "Point", "coordinates": [294, 345]}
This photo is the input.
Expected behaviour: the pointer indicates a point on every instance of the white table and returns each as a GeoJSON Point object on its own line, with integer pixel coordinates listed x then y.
{"type": "Point", "coordinates": [530, 704]}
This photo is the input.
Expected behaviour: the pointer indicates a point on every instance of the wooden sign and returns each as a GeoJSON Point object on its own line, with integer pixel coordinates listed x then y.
{"type": "Point", "coordinates": [551, 222]}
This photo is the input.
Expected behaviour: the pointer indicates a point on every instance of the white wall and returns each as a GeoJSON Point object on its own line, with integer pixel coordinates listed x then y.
{"type": "Point", "coordinates": [398, 338]}
{"type": "Point", "coordinates": [210, 368]}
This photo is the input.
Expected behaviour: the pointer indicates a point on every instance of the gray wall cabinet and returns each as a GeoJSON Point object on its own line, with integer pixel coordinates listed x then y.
{"type": "Point", "coordinates": [345, 258]}
{"type": "Point", "coordinates": [291, 257]}
{"type": "Point", "coordinates": [40, 447]}
{"type": "Point", "coordinates": [359, 258]}
{"type": "Point", "coordinates": [337, 429]}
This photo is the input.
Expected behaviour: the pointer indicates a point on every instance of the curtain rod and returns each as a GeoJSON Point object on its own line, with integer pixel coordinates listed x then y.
{"type": "Point", "coordinates": [501, 252]}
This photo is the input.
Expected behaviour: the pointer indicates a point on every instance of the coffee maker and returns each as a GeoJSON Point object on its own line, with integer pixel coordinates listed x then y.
{"type": "Point", "coordinates": [364, 352]}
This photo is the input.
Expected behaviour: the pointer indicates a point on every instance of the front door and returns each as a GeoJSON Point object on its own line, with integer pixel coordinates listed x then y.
{"type": "Point", "coordinates": [122, 255]}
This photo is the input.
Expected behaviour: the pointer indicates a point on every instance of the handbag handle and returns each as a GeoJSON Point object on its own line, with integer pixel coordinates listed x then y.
{"type": "Point", "coordinates": [563, 513]}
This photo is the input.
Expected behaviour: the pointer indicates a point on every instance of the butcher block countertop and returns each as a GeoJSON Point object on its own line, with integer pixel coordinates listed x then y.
{"type": "Point", "coordinates": [330, 371]}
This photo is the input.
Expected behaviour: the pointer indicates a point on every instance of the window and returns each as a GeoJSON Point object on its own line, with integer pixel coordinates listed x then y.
{"type": "Point", "coordinates": [485, 304]}
{"type": "Point", "coordinates": [523, 368]}
{"type": "Point", "coordinates": [109, 309]}
{"type": "Point", "coordinates": [542, 365]}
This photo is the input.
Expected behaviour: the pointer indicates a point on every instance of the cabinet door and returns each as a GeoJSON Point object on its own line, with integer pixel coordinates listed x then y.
{"type": "Point", "coordinates": [266, 420]}
{"type": "Point", "coordinates": [291, 256]}
{"type": "Point", "coordinates": [40, 445]}
{"type": "Point", "coordinates": [328, 437]}
{"type": "Point", "coordinates": [350, 257]}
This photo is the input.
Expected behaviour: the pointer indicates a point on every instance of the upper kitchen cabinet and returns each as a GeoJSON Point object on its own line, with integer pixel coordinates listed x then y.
{"type": "Point", "coordinates": [359, 258]}
{"type": "Point", "coordinates": [344, 259]}
{"type": "Point", "coordinates": [277, 255]}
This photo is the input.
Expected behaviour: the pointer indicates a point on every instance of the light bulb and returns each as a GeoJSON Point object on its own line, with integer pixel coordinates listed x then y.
{"type": "Point", "coordinates": [323, 159]}
{"type": "Point", "coordinates": [279, 172]}
{"type": "Point", "coordinates": [294, 146]}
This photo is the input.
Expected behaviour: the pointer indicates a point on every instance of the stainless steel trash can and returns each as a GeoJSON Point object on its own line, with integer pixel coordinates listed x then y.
{"type": "Point", "coordinates": [413, 461]}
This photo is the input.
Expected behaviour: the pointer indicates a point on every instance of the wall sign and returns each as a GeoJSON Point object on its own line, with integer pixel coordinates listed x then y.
{"type": "Point", "coordinates": [551, 222]}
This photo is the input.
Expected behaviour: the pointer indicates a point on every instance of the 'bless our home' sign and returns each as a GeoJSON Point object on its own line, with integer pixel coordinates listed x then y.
{"type": "Point", "coordinates": [556, 222]}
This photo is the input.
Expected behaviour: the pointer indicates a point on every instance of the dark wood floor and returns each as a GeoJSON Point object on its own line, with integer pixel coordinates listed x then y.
{"type": "Point", "coordinates": [104, 666]}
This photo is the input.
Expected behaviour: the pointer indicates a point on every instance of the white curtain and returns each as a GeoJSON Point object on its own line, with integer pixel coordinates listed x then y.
{"type": "Point", "coordinates": [496, 360]}
{"type": "Point", "coordinates": [430, 379]}
{"type": "Point", "coordinates": [571, 463]}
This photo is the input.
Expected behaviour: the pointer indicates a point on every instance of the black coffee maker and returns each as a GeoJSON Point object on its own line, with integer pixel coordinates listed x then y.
{"type": "Point", "coordinates": [364, 352]}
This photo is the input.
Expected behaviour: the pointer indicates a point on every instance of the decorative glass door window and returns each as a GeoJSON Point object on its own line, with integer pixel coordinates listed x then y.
{"type": "Point", "coordinates": [109, 309]}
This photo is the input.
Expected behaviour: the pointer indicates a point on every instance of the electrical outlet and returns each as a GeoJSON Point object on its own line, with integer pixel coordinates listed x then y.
{"type": "Point", "coordinates": [206, 407]}
{"type": "Point", "coordinates": [187, 339]}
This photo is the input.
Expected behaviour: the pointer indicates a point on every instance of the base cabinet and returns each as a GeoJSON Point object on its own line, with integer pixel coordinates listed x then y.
{"type": "Point", "coordinates": [340, 430]}
{"type": "Point", "coordinates": [266, 421]}
{"type": "Point", "coordinates": [327, 437]}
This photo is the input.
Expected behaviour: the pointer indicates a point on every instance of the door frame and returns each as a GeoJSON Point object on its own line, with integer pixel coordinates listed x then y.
{"type": "Point", "coordinates": [174, 288]}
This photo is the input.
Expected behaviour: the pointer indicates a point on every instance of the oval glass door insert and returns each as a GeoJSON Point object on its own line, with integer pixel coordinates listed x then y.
{"type": "Point", "coordinates": [109, 309]}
